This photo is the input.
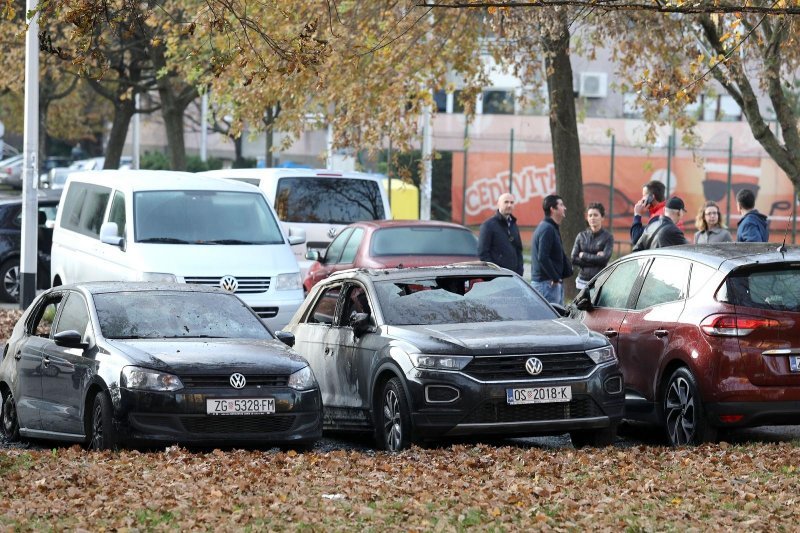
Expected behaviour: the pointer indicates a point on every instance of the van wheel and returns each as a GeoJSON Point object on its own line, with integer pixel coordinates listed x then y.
{"type": "Point", "coordinates": [684, 414]}
{"type": "Point", "coordinates": [9, 281]}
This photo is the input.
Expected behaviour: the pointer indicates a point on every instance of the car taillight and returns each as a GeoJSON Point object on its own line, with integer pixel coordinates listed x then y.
{"type": "Point", "coordinates": [735, 325]}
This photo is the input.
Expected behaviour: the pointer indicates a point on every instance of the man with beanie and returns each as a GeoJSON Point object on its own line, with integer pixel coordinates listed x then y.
{"type": "Point", "coordinates": [753, 225]}
{"type": "Point", "coordinates": [664, 232]}
{"type": "Point", "coordinates": [499, 241]}
{"type": "Point", "coordinates": [549, 263]}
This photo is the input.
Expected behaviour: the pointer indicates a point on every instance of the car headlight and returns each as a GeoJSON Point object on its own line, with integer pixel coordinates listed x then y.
{"type": "Point", "coordinates": [159, 277]}
{"type": "Point", "coordinates": [440, 362]}
{"type": "Point", "coordinates": [602, 355]}
{"type": "Point", "coordinates": [303, 379]}
{"type": "Point", "coordinates": [134, 377]}
{"type": "Point", "coordinates": [288, 282]}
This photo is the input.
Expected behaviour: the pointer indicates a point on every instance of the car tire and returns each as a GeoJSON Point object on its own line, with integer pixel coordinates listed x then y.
{"type": "Point", "coordinates": [9, 281]}
{"type": "Point", "coordinates": [683, 412]}
{"type": "Point", "coordinates": [594, 438]}
{"type": "Point", "coordinates": [100, 427]}
{"type": "Point", "coordinates": [10, 420]}
{"type": "Point", "coordinates": [394, 419]}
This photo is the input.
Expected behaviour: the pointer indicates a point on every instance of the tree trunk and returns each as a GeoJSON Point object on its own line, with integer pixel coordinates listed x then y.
{"type": "Point", "coordinates": [173, 123]}
{"type": "Point", "coordinates": [123, 112]}
{"type": "Point", "coordinates": [564, 134]}
{"type": "Point", "coordinates": [238, 161]}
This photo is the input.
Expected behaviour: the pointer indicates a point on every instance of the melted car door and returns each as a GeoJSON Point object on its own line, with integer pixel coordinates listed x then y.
{"type": "Point", "coordinates": [647, 330]}
{"type": "Point", "coordinates": [29, 358]}
{"type": "Point", "coordinates": [66, 371]}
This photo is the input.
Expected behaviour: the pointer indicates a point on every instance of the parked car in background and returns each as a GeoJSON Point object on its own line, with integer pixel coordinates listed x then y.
{"type": "Point", "coordinates": [159, 225]}
{"type": "Point", "coordinates": [55, 178]}
{"type": "Point", "coordinates": [708, 336]}
{"type": "Point", "coordinates": [421, 353]}
{"type": "Point", "coordinates": [392, 243]}
{"type": "Point", "coordinates": [316, 204]}
{"type": "Point", "coordinates": [11, 171]}
{"type": "Point", "coordinates": [11, 244]}
{"type": "Point", "coordinates": [109, 364]}
{"type": "Point", "coordinates": [96, 163]}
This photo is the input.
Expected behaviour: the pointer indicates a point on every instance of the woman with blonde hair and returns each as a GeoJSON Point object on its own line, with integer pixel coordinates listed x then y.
{"type": "Point", "coordinates": [709, 225]}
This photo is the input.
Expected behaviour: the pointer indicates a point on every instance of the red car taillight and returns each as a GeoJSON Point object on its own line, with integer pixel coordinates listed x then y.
{"type": "Point", "coordinates": [735, 325]}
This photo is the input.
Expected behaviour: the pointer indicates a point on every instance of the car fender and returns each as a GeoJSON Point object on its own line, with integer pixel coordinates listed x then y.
{"type": "Point", "coordinates": [386, 366]}
{"type": "Point", "coordinates": [674, 356]}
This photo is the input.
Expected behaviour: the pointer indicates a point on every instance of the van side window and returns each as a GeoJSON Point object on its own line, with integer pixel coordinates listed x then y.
{"type": "Point", "coordinates": [117, 213]}
{"type": "Point", "coordinates": [84, 208]}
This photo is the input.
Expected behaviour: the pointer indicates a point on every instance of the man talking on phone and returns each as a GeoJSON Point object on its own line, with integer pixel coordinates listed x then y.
{"type": "Point", "coordinates": [653, 201]}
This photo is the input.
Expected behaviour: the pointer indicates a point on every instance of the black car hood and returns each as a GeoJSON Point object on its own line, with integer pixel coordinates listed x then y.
{"type": "Point", "coordinates": [211, 356]}
{"type": "Point", "coordinates": [557, 335]}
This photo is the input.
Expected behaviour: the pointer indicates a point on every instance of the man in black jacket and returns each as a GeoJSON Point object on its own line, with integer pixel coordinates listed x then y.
{"type": "Point", "coordinates": [499, 241]}
{"type": "Point", "coordinates": [549, 263]}
{"type": "Point", "coordinates": [664, 232]}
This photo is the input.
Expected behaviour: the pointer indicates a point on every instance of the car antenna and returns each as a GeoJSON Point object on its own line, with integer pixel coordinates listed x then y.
{"type": "Point", "coordinates": [782, 247]}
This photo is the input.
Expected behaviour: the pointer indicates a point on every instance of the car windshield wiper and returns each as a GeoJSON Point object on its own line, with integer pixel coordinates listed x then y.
{"type": "Point", "coordinates": [227, 241]}
{"type": "Point", "coordinates": [168, 240]}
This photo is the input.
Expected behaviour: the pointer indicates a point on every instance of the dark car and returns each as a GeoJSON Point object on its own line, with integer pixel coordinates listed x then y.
{"type": "Point", "coordinates": [708, 337]}
{"type": "Point", "coordinates": [110, 363]}
{"type": "Point", "coordinates": [10, 245]}
{"type": "Point", "coordinates": [390, 243]}
{"type": "Point", "coordinates": [467, 349]}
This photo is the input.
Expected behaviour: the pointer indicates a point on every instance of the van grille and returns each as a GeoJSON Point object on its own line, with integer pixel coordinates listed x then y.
{"type": "Point", "coordinates": [246, 285]}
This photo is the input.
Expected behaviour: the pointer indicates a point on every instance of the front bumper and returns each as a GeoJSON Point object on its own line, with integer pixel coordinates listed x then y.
{"type": "Point", "coordinates": [181, 417]}
{"type": "Point", "coordinates": [482, 408]}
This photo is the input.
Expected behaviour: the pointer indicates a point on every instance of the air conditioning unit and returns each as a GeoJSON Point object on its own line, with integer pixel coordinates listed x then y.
{"type": "Point", "coordinates": [594, 84]}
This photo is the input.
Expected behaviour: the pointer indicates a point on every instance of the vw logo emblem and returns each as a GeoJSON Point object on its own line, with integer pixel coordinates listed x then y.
{"type": "Point", "coordinates": [237, 381]}
{"type": "Point", "coordinates": [229, 283]}
{"type": "Point", "coordinates": [332, 233]}
{"type": "Point", "coordinates": [533, 366]}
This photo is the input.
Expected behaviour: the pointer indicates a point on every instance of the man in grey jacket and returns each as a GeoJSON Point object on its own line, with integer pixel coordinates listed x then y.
{"type": "Point", "coordinates": [664, 232]}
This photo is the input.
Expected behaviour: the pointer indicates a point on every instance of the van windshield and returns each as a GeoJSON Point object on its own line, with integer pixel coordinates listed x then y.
{"type": "Point", "coordinates": [204, 217]}
{"type": "Point", "coordinates": [328, 200]}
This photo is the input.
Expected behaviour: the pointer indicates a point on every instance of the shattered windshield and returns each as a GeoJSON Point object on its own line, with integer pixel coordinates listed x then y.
{"type": "Point", "coordinates": [166, 315]}
{"type": "Point", "coordinates": [460, 299]}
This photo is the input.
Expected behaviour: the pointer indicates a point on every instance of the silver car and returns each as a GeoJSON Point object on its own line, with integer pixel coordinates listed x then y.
{"type": "Point", "coordinates": [11, 171]}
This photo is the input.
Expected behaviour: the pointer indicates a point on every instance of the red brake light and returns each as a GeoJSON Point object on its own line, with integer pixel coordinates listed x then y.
{"type": "Point", "coordinates": [735, 325]}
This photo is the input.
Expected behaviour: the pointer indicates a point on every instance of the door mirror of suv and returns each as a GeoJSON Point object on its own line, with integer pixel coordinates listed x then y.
{"type": "Point", "coordinates": [109, 234]}
{"type": "Point", "coordinates": [560, 309]}
{"type": "Point", "coordinates": [69, 339]}
{"type": "Point", "coordinates": [297, 236]}
{"type": "Point", "coordinates": [583, 301]}
{"type": "Point", "coordinates": [361, 323]}
{"type": "Point", "coordinates": [286, 337]}
{"type": "Point", "coordinates": [313, 255]}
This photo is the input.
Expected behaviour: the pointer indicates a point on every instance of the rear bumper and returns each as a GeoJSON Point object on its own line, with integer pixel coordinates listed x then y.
{"type": "Point", "coordinates": [753, 413]}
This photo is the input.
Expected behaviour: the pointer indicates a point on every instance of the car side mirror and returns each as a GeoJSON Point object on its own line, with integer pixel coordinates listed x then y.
{"type": "Point", "coordinates": [297, 235]}
{"type": "Point", "coordinates": [361, 323]}
{"type": "Point", "coordinates": [69, 339]}
{"type": "Point", "coordinates": [109, 234]}
{"type": "Point", "coordinates": [286, 337]}
{"type": "Point", "coordinates": [560, 309]}
{"type": "Point", "coordinates": [313, 255]}
{"type": "Point", "coordinates": [582, 301]}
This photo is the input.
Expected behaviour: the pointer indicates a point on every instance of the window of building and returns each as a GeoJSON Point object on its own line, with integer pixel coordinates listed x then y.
{"type": "Point", "coordinates": [440, 101]}
{"type": "Point", "coordinates": [498, 102]}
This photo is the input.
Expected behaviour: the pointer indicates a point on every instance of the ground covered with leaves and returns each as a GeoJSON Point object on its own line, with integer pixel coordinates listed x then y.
{"type": "Point", "coordinates": [752, 487]}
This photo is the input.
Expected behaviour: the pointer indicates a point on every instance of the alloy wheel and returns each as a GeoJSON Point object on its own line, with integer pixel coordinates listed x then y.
{"type": "Point", "coordinates": [97, 427]}
{"type": "Point", "coordinates": [679, 410]}
{"type": "Point", "coordinates": [9, 418]}
{"type": "Point", "coordinates": [11, 282]}
{"type": "Point", "coordinates": [392, 423]}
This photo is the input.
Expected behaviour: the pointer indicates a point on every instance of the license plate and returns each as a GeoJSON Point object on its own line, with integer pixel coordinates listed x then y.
{"type": "Point", "coordinates": [794, 363]}
{"type": "Point", "coordinates": [241, 406]}
{"type": "Point", "coordinates": [539, 395]}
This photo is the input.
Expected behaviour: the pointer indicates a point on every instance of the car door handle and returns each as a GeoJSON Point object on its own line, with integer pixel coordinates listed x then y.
{"type": "Point", "coordinates": [661, 333]}
{"type": "Point", "coordinates": [327, 350]}
{"type": "Point", "coordinates": [18, 355]}
{"type": "Point", "coordinates": [610, 333]}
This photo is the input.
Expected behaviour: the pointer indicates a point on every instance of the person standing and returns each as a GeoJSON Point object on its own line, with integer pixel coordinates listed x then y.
{"type": "Point", "coordinates": [709, 225]}
{"type": "Point", "coordinates": [499, 241]}
{"type": "Point", "coordinates": [753, 225]}
{"type": "Point", "coordinates": [549, 263]}
{"type": "Point", "coordinates": [592, 249]}
{"type": "Point", "coordinates": [664, 232]}
{"type": "Point", "coordinates": [653, 202]}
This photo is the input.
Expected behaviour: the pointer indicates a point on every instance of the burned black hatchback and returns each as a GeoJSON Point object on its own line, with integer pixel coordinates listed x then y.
{"type": "Point", "coordinates": [468, 349]}
{"type": "Point", "coordinates": [111, 363]}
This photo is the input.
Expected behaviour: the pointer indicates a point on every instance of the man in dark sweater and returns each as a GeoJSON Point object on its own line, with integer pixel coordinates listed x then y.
{"type": "Point", "coordinates": [549, 263]}
{"type": "Point", "coordinates": [664, 232]}
{"type": "Point", "coordinates": [499, 241]}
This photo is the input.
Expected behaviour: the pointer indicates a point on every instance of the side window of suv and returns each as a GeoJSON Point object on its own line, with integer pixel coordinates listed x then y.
{"type": "Point", "coordinates": [84, 208]}
{"type": "Point", "coordinates": [325, 308]}
{"type": "Point", "coordinates": [616, 290]}
{"type": "Point", "coordinates": [665, 282]}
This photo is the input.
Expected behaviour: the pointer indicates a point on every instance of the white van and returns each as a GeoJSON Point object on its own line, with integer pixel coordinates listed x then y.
{"type": "Point", "coordinates": [175, 226]}
{"type": "Point", "coordinates": [316, 203]}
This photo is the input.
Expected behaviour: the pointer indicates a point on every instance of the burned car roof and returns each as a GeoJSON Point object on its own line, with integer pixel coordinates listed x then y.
{"type": "Point", "coordinates": [101, 287]}
{"type": "Point", "coordinates": [468, 268]}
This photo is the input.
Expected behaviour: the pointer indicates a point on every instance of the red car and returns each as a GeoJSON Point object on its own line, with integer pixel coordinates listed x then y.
{"type": "Point", "coordinates": [391, 243]}
{"type": "Point", "coordinates": [708, 337]}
